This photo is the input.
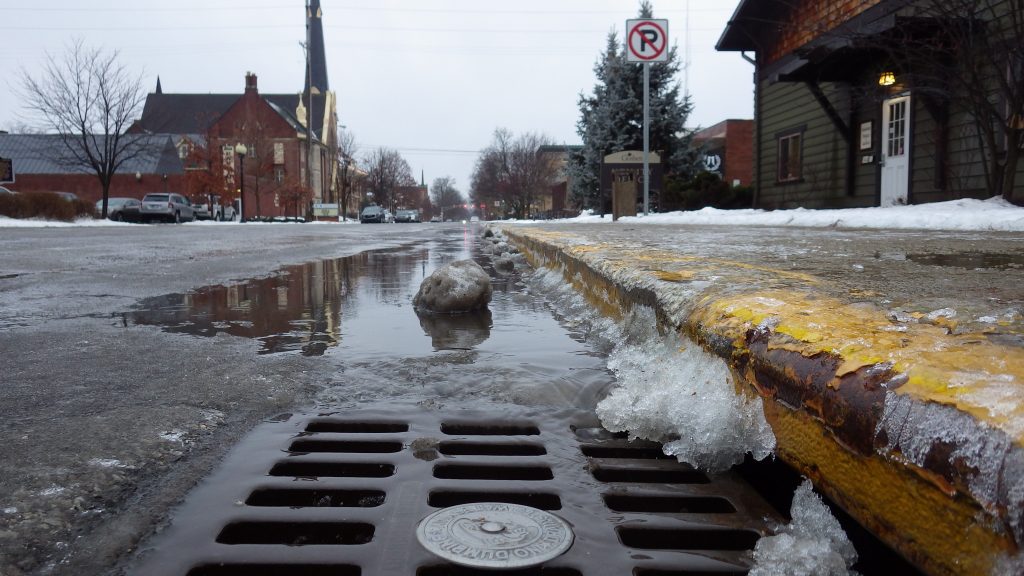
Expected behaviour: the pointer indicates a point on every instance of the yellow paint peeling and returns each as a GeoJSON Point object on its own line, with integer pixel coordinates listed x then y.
{"type": "Point", "coordinates": [863, 336]}
{"type": "Point", "coordinates": [917, 512]}
{"type": "Point", "coordinates": [681, 276]}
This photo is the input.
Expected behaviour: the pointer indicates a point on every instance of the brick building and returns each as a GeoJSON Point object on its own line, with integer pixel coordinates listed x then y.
{"type": "Point", "coordinates": [291, 142]}
{"type": "Point", "coordinates": [290, 139]}
{"type": "Point", "coordinates": [40, 166]}
{"type": "Point", "coordinates": [271, 126]}
{"type": "Point", "coordinates": [729, 150]}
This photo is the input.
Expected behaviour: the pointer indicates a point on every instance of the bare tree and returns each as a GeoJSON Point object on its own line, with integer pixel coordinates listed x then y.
{"type": "Point", "coordinates": [973, 63]}
{"type": "Point", "coordinates": [347, 149]}
{"type": "Point", "coordinates": [513, 171]}
{"type": "Point", "coordinates": [444, 193]}
{"type": "Point", "coordinates": [89, 99]}
{"type": "Point", "coordinates": [386, 171]}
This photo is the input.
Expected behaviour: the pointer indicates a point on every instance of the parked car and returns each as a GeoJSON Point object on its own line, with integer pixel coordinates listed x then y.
{"type": "Point", "coordinates": [373, 214]}
{"type": "Point", "coordinates": [407, 216]}
{"type": "Point", "coordinates": [217, 212]}
{"type": "Point", "coordinates": [120, 209]}
{"type": "Point", "coordinates": [435, 219]}
{"type": "Point", "coordinates": [69, 196]}
{"type": "Point", "coordinates": [166, 206]}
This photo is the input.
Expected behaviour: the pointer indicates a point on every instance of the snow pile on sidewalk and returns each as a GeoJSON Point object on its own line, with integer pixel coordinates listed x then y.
{"type": "Point", "coordinates": [669, 390]}
{"type": "Point", "coordinates": [994, 214]}
{"type": "Point", "coordinates": [813, 544]}
{"type": "Point", "coordinates": [86, 221]}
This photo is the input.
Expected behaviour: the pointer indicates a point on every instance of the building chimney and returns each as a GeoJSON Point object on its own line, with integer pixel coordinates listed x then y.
{"type": "Point", "coordinates": [250, 82]}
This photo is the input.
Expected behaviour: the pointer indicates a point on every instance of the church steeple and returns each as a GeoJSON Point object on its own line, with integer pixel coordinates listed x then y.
{"type": "Point", "coordinates": [317, 57]}
{"type": "Point", "coordinates": [159, 90]}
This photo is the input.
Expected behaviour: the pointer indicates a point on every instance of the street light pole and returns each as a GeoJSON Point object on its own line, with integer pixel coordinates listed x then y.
{"type": "Point", "coordinates": [241, 150]}
{"type": "Point", "coordinates": [309, 97]}
{"type": "Point", "coordinates": [344, 187]}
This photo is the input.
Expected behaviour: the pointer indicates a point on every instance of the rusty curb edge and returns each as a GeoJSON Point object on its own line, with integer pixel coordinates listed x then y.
{"type": "Point", "coordinates": [915, 431]}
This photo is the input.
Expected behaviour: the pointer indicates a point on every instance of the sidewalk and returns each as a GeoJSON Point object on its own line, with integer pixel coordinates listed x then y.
{"type": "Point", "coordinates": [891, 363]}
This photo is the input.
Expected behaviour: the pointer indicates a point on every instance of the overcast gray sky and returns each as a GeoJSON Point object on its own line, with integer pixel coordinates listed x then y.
{"type": "Point", "coordinates": [431, 78]}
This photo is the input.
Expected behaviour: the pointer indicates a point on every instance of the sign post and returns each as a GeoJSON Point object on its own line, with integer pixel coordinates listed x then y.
{"type": "Point", "coordinates": [647, 41]}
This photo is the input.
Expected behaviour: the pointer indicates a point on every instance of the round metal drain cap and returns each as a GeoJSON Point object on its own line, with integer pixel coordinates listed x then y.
{"type": "Point", "coordinates": [494, 535]}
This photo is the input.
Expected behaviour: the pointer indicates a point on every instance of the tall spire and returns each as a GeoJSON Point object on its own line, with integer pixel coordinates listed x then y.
{"type": "Point", "coordinates": [159, 90]}
{"type": "Point", "coordinates": [317, 57]}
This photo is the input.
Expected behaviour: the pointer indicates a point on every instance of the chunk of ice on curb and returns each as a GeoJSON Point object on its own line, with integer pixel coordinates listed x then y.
{"type": "Point", "coordinates": [673, 391]}
{"type": "Point", "coordinates": [813, 544]}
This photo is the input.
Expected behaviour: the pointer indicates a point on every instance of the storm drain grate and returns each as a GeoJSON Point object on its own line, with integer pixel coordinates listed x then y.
{"type": "Point", "coordinates": [342, 494]}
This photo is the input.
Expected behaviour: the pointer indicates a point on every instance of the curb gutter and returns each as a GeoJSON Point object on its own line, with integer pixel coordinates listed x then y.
{"type": "Point", "coordinates": [916, 432]}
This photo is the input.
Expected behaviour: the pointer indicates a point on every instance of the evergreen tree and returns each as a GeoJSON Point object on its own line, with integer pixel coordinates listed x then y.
{"type": "Point", "coordinates": [611, 119]}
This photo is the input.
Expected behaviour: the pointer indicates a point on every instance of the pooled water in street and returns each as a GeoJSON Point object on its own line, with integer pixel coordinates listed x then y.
{"type": "Point", "coordinates": [357, 313]}
{"type": "Point", "coordinates": [538, 344]}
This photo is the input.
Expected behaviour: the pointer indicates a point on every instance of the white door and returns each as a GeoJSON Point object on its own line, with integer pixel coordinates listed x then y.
{"type": "Point", "coordinates": [895, 150]}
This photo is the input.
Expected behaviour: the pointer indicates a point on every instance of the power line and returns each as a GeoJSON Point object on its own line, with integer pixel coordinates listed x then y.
{"type": "Point", "coordinates": [249, 7]}
{"type": "Point", "coordinates": [436, 151]}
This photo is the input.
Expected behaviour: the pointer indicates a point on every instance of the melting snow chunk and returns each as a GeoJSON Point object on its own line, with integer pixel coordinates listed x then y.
{"type": "Point", "coordinates": [107, 463]}
{"type": "Point", "coordinates": [813, 544]}
{"type": "Point", "coordinates": [52, 491]}
{"type": "Point", "coordinates": [673, 391]}
{"type": "Point", "coordinates": [173, 436]}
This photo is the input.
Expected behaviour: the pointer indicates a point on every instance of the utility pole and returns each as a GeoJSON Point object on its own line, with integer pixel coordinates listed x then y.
{"type": "Point", "coordinates": [309, 98]}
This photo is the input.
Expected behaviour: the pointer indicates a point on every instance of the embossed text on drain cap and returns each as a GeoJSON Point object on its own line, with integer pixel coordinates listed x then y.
{"type": "Point", "coordinates": [494, 535]}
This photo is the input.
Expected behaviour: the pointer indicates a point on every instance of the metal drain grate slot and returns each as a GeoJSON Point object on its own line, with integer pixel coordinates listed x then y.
{"type": "Point", "coordinates": [668, 504]}
{"type": "Point", "coordinates": [490, 449]}
{"type": "Point", "coordinates": [446, 498]}
{"type": "Point", "coordinates": [484, 472]}
{"type": "Point", "coordinates": [305, 498]}
{"type": "Point", "coordinates": [345, 427]}
{"type": "Point", "coordinates": [344, 446]}
{"type": "Point", "coordinates": [296, 533]}
{"type": "Point", "coordinates": [332, 469]}
{"type": "Point", "coordinates": [687, 538]}
{"type": "Point", "coordinates": [346, 496]}
{"type": "Point", "coordinates": [481, 429]}
{"type": "Point", "coordinates": [650, 475]}
{"type": "Point", "coordinates": [452, 570]}
{"type": "Point", "coordinates": [276, 570]}
{"type": "Point", "coordinates": [625, 452]}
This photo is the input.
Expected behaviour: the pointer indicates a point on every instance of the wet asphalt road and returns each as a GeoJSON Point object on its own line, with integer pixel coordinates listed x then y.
{"type": "Point", "coordinates": [135, 357]}
{"type": "Point", "coordinates": [112, 413]}
{"type": "Point", "coordinates": [108, 423]}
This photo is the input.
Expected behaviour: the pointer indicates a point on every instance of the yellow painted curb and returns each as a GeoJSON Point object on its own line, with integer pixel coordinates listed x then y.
{"type": "Point", "coordinates": [917, 432]}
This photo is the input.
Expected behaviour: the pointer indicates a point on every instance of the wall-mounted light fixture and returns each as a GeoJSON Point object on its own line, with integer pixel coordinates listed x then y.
{"type": "Point", "coordinates": [138, 176]}
{"type": "Point", "coordinates": [886, 79]}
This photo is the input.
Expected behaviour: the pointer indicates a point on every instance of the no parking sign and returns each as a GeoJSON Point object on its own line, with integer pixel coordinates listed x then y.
{"type": "Point", "coordinates": [647, 40]}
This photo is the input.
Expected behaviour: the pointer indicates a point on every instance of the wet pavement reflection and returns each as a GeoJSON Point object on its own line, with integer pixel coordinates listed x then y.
{"type": "Point", "coordinates": [357, 311]}
{"type": "Point", "coordinates": [971, 260]}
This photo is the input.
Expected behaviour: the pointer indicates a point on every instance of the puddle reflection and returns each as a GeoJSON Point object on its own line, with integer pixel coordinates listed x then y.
{"type": "Point", "coordinates": [302, 308]}
{"type": "Point", "coordinates": [457, 331]}
{"type": "Point", "coordinates": [971, 260]}
{"type": "Point", "coordinates": [357, 312]}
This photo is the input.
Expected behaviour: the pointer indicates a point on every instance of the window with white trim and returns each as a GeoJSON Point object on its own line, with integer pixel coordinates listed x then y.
{"type": "Point", "coordinates": [790, 165]}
